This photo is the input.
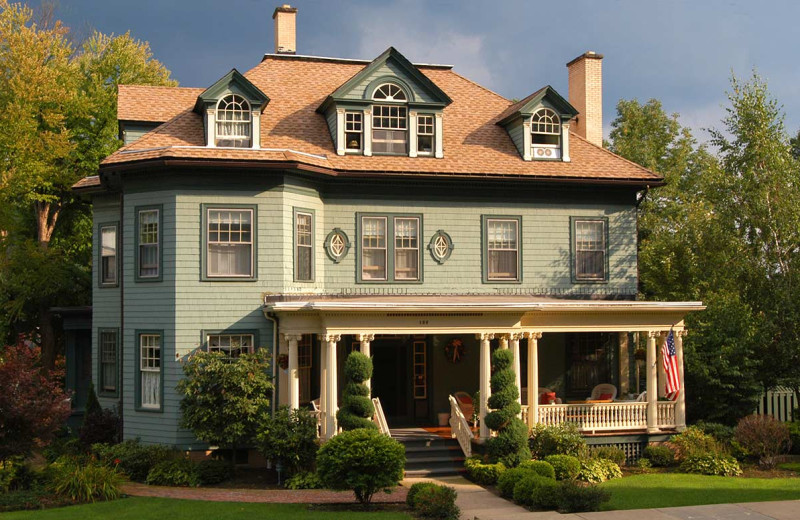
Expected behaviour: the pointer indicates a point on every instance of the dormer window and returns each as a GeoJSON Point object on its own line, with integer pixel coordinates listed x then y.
{"type": "Point", "coordinates": [353, 131]}
{"type": "Point", "coordinates": [390, 121]}
{"type": "Point", "coordinates": [234, 122]}
{"type": "Point", "coordinates": [545, 128]}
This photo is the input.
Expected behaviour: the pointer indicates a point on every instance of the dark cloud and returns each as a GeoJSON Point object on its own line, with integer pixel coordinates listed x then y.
{"type": "Point", "coordinates": [681, 52]}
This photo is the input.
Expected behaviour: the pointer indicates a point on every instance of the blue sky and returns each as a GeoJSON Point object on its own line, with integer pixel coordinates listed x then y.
{"type": "Point", "coordinates": [681, 52]}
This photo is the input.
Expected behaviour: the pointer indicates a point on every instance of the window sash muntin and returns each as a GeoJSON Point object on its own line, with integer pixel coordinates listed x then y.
{"type": "Point", "coordinates": [353, 131]}
{"type": "Point", "coordinates": [425, 134]}
{"type": "Point", "coordinates": [591, 249]}
{"type": "Point", "coordinates": [389, 117]}
{"type": "Point", "coordinates": [234, 122]}
{"type": "Point", "coordinates": [406, 244]}
{"type": "Point", "coordinates": [231, 345]}
{"type": "Point", "coordinates": [108, 254]}
{"type": "Point", "coordinates": [502, 248]}
{"type": "Point", "coordinates": [150, 371]}
{"type": "Point", "coordinates": [304, 243]}
{"type": "Point", "coordinates": [108, 360]}
{"type": "Point", "coordinates": [229, 230]}
{"type": "Point", "coordinates": [374, 248]}
{"type": "Point", "coordinates": [149, 236]}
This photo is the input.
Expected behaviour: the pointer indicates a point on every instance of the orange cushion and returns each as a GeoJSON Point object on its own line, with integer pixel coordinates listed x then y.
{"type": "Point", "coordinates": [465, 399]}
{"type": "Point", "coordinates": [604, 397]}
{"type": "Point", "coordinates": [547, 398]}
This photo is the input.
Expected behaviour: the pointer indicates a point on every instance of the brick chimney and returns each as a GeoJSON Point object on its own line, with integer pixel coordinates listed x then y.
{"type": "Point", "coordinates": [285, 18]}
{"type": "Point", "coordinates": [586, 95]}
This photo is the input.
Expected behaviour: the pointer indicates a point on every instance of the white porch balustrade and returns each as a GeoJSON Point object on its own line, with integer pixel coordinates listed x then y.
{"type": "Point", "coordinates": [599, 417]}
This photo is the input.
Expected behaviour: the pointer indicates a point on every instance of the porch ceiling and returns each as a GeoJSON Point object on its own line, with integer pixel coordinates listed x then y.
{"type": "Point", "coordinates": [441, 314]}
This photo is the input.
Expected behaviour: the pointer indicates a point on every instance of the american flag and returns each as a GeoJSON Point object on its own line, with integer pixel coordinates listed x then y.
{"type": "Point", "coordinates": [670, 362]}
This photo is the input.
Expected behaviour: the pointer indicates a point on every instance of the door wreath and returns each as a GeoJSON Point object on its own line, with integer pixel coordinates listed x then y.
{"type": "Point", "coordinates": [454, 350]}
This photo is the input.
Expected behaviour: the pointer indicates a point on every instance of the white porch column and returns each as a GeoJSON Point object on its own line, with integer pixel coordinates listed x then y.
{"type": "Point", "coordinates": [624, 364]}
{"type": "Point", "coordinates": [294, 375]}
{"type": "Point", "coordinates": [515, 337]}
{"type": "Point", "coordinates": [662, 374]}
{"type": "Point", "coordinates": [365, 340]}
{"type": "Point", "coordinates": [680, 404]}
{"type": "Point", "coordinates": [533, 378]}
{"type": "Point", "coordinates": [652, 397]}
{"type": "Point", "coordinates": [332, 386]}
{"type": "Point", "coordinates": [485, 371]}
{"type": "Point", "coordinates": [323, 384]}
{"type": "Point", "coordinates": [503, 340]}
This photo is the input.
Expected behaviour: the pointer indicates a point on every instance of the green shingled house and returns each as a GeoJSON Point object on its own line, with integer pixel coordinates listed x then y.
{"type": "Point", "coordinates": [312, 206]}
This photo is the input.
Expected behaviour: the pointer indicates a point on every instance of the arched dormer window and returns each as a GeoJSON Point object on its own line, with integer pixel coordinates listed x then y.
{"type": "Point", "coordinates": [234, 122]}
{"type": "Point", "coordinates": [390, 120]}
{"type": "Point", "coordinates": [545, 128]}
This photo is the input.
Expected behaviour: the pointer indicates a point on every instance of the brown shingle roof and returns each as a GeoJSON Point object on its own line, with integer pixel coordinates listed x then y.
{"type": "Point", "coordinates": [473, 143]}
{"type": "Point", "coordinates": [153, 104]}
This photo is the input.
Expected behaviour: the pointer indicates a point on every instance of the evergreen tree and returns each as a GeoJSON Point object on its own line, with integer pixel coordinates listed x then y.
{"type": "Point", "coordinates": [510, 446]}
{"type": "Point", "coordinates": [357, 409]}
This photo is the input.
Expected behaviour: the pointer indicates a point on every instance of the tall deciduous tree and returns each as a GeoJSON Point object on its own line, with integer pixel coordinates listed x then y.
{"type": "Point", "coordinates": [57, 122]}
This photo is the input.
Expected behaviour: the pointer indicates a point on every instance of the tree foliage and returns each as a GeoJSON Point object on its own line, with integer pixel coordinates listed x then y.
{"type": "Point", "coordinates": [224, 401]}
{"type": "Point", "coordinates": [723, 230]}
{"type": "Point", "coordinates": [357, 409]}
{"type": "Point", "coordinates": [289, 437]}
{"type": "Point", "coordinates": [510, 446]}
{"type": "Point", "coordinates": [33, 404]}
{"type": "Point", "coordinates": [57, 122]}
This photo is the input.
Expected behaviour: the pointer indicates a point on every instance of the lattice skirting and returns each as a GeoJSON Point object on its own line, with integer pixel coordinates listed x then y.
{"type": "Point", "coordinates": [632, 445]}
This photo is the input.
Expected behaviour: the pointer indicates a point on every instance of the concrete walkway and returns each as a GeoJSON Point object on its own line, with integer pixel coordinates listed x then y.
{"type": "Point", "coordinates": [477, 503]}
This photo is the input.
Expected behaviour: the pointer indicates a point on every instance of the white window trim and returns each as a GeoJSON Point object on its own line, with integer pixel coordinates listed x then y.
{"type": "Point", "coordinates": [246, 109]}
{"type": "Point", "coordinates": [432, 133]}
{"type": "Point", "coordinates": [489, 249]}
{"type": "Point", "coordinates": [251, 242]}
{"type": "Point", "coordinates": [150, 370]}
{"type": "Point", "coordinates": [385, 248]}
{"type": "Point", "coordinates": [347, 149]}
{"type": "Point", "coordinates": [396, 249]}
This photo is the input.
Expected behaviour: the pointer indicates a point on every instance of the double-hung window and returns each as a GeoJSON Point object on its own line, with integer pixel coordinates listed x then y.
{"type": "Point", "coordinates": [353, 131]}
{"type": "Point", "coordinates": [390, 120]}
{"type": "Point", "coordinates": [590, 249]}
{"type": "Point", "coordinates": [390, 250]}
{"type": "Point", "coordinates": [502, 249]}
{"type": "Point", "coordinates": [425, 127]}
{"type": "Point", "coordinates": [231, 345]}
{"type": "Point", "coordinates": [108, 361]}
{"type": "Point", "coordinates": [406, 248]}
{"type": "Point", "coordinates": [373, 248]}
{"type": "Point", "coordinates": [149, 240]}
{"type": "Point", "coordinates": [229, 243]}
{"type": "Point", "coordinates": [150, 371]}
{"type": "Point", "coordinates": [304, 246]}
{"type": "Point", "coordinates": [108, 255]}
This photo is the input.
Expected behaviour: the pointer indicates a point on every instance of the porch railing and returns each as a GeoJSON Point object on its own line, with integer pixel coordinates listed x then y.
{"type": "Point", "coordinates": [665, 414]}
{"type": "Point", "coordinates": [380, 418]}
{"type": "Point", "coordinates": [595, 416]}
{"type": "Point", "coordinates": [459, 427]}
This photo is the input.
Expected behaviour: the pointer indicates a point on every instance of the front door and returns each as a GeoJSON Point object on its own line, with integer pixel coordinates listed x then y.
{"type": "Point", "coordinates": [391, 381]}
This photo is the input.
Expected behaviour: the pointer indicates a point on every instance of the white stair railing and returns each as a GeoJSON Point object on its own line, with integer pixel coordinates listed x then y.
{"type": "Point", "coordinates": [459, 427]}
{"type": "Point", "coordinates": [380, 418]}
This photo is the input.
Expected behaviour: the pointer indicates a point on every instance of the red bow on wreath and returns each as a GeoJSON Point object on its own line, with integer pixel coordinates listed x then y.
{"type": "Point", "coordinates": [454, 350]}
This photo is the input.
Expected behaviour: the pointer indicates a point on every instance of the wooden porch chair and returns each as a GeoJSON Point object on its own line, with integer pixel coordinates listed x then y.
{"type": "Point", "coordinates": [603, 392]}
{"type": "Point", "coordinates": [641, 398]}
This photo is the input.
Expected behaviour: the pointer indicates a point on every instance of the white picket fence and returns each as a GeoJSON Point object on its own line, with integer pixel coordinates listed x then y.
{"type": "Point", "coordinates": [779, 403]}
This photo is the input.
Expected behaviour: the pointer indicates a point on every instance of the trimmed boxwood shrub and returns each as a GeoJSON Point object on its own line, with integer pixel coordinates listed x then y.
{"type": "Point", "coordinates": [510, 446]}
{"type": "Point", "coordinates": [177, 472]}
{"type": "Point", "coordinates": [213, 471]}
{"type": "Point", "coordinates": [414, 489]}
{"type": "Point", "coordinates": [566, 467]}
{"type": "Point", "coordinates": [563, 439]}
{"type": "Point", "coordinates": [611, 453]}
{"type": "Point", "coordinates": [509, 479]}
{"type": "Point", "coordinates": [712, 464]}
{"type": "Point", "coordinates": [545, 496]}
{"type": "Point", "coordinates": [436, 501]}
{"type": "Point", "coordinates": [133, 458]}
{"type": "Point", "coordinates": [539, 467]}
{"type": "Point", "coordinates": [363, 461]}
{"type": "Point", "coordinates": [481, 473]}
{"type": "Point", "coordinates": [356, 410]}
{"type": "Point", "coordinates": [525, 487]}
{"type": "Point", "coordinates": [659, 456]}
{"type": "Point", "coordinates": [579, 498]}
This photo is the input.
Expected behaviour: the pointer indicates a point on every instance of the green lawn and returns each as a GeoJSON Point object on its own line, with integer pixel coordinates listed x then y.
{"type": "Point", "coordinates": [680, 489]}
{"type": "Point", "coordinates": [139, 508]}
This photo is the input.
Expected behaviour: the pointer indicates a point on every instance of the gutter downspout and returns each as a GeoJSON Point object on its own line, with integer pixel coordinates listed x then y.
{"type": "Point", "coordinates": [121, 279]}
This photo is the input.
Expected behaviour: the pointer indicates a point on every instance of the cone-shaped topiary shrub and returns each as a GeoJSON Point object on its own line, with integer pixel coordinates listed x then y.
{"type": "Point", "coordinates": [356, 410]}
{"type": "Point", "coordinates": [511, 444]}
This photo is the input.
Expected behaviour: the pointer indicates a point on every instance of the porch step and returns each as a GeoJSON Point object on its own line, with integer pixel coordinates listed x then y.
{"type": "Point", "coordinates": [428, 454]}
